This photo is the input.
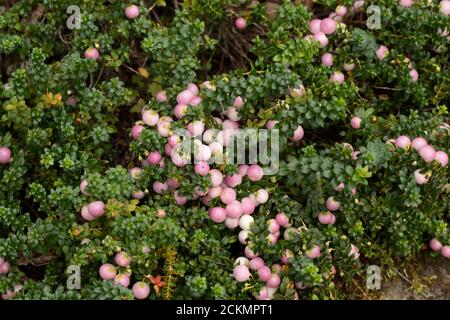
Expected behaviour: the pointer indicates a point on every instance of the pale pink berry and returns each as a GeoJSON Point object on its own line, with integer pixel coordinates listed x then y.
{"type": "Point", "coordinates": [201, 168]}
{"type": "Point", "coordinates": [231, 223]}
{"type": "Point", "coordinates": [180, 200]}
{"type": "Point", "coordinates": [91, 53]}
{"type": "Point", "coordinates": [282, 219]}
{"type": "Point", "coordinates": [313, 253]}
{"type": "Point", "coordinates": [355, 122]}
{"type": "Point", "coordinates": [420, 178]}
{"type": "Point", "coordinates": [164, 129]}
{"type": "Point", "coordinates": [414, 75]}
{"type": "Point", "coordinates": [96, 208]}
{"type": "Point", "coordinates": [349, 66]}
{"type": "Point", "coordinates": [402, 142]}
{"type": "Point", "coordinates": [5, 267]}
{"type": "Point", "coordinates": [5, 155]}
{"type": "Point", "coordinates": [418, 143]}
{"type": "Point", "coordinates": [122, 280]}
{"type": "Point", "coordinates": [445, 7]}
{"type": "Point", "coordinates": [217, 214]}
{"type": "Point", "coordinates": [196, 128]}
{"type": "Point", "coordinates": [238, 102]}
{"type": "Point", "coordinates": [180, 110]}
{"type": "Point", "coordinates": [228, 195]}
{"type": "Point", "coordinates": [136, 131]}
{"type": "Point", "coordinates": [274, 281]}
{"type": "Point", "coordinates": [243, 236]}
{"type": "Point", "coordinates": [85, 214]}
{"type": "Point", "coordinates": [214, 192]}
{"type": "Point", "coordinates": [107, 271]}
{"type": "Point", "coordinates": [321, 38]}
{"type": "Point", "coordinates": [327, 60]}
{"type": "Point", "coordinates": [246, 221]}
{"type": "Point", "coordinates": [83, 186]}
{"type": "Point", "coordinates": [354, 252]}
{"type": "Point", "coordinates": [442, 158]}
{"type": "Point", "coordinates": [141, 290]}
{"type": "Point", "coordinates": [325, 217]}
{"type": "Point", "coordinates": [123, 259]}
{"type": "Point", "coordinates": [233, 180]}
{"type": "Point", "coordinates": [161, 96]}
{"type": "Point", "coordinates": [340, 187]}
{"type": "Point", "coordinates": [428, 153]}
{"type": "Point", "coordinates": [255, 172]}
{"type": "Point", "coordinates": [241, 273]}
{"type": "Point", "coordinates": [233, 114]}
{"type": "Point", "coordinates": [195, 101]}
{"type": "Point", "coordinates": [445, 252]}
{"type": "Point", "coordinates": [248, 205]}
{"type": "Point", "coordinates": [298, 134]}
{"type": "Point", "coordinates": [337, 77]}
{"type": "Point", "coordinates": [271, 124]}
{"type": "Point", "coordinates": [341, 10]}
{"type": "Point", "coordinates": [406, 3]}
{"type": "Point", "coordinates": [160, 213]}
{"type": "Point", "coordinates": [382, 52]}
{"type": "Point", "coordinates": [249, 253]}
{"type": "Point", "coordinates": [132, 11]}
{"type": "Point", "coordinates": [264, 273]}
{"type": "Point", "coordinates": [184, 97]}
{"type": "Point", "coordinates": [262, 196]}
{"type": "Point", "coordinates": [240, 23]}
{"type": "Point", "coordinates": [332, 205]}
{"type": "Point", "coordinates": [138, 195]}
{"type": "Point", "coordinates": [314, 25]}
{"type": "Point", "coordinates": [333, 219]}
{"type": "Point", "coordinates": [230, 125]}
{"type": "Point", "coordinates": [435, 245]}
{"type": "Point", "coordinates": [233, 209]}
{"type": "Point", "coordinates": [287, 255]}
{"type": "Point", "coordinates": [274, 227]}
{"type": "Point", "coordinates": [256, 263]}
{"type": "Point", "coordinates": [216, 177]}
{"type": "Point", "coordinates": [297, 92]}
{"type": "Point", "coordinates": [328, 26]}
{"type": "Point", "coordinates": [159, 187]}
{"type": "Point", "coordinates": [193, 88]}
{"type": "Point", "coordinates": [243, 169]}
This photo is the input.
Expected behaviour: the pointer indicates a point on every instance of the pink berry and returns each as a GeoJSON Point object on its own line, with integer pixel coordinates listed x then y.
{"type": "Point", "coordinates": [136, 131]}
{"type": "Point", "coordinates": [217, 214]}
{"type": "Point", "coordinates": [85, 214]}
{"type": "Point", "coordinates": [274, 281]}
{"type": "Point", "coordinates": [5, 267]}
{"type": "Point", "coordinates": [228, 195]}
{"type": "Point", "coordinates": [327, 60]}
{"type": "Point", "coordinates": [337, 77]}
{"type": "Point", "coordinates": [325, 217]}
{"type": "Point", "coordinates": [241, 273]}
{"type": "Point", "coordinates": [91, 53]}
{"type": "Point", "coordinates": [238, 102]}
{"type": "Point", "coordinates": [138, 195]}
{"type": "Point", "coordinates": [445, 252]}
{"type": "Point", "coordinates": [349, 66]}
{"type": "Point", "coordinates": [216, 177]}
{"type": "Point", "coordinates": [249, 253]}
{"type": "Point", "coordinates": [83, 185]}
{"type": "Point", "coordinates": [332, 205]}
{"type": "Point", "coordinates": [356, 122]}
{"type": "Point", "coordinates": [402, 142]}
{"type": "Point", "coordinates": [420, 178]}
{"type": "Point", "coordinates": [196, 128]}
{"type": "Point", "coordinates": [184, 97]}
{"type": "Point", "coordinates": [354, 252]}
{"type": "Point", "coordinates": [313, 253]}
{"type": "Point", "coordinates": [264, 273]}
{"type": "Point", "coordinates": [341, 10]}
{"type": "Point", "coordinates": [321, 38]}
{"type": "Point", "coordinates": [418, 143]}
{"type": "Point", "coordinates": [328, 26]}
{"type": "Point", "coordinates": [201, 168]}
{"type": "Point", "coordinates": [150, 117]}
{"type": "Point", "coordinates": [428, 153]}
{"type": "Point", "coordinates": [132, 11]}
{"type": "Point", "coordinates": [123, 259]}
{"type": "Point", "coordinates": [160, 213]}
{"type": "Point", "coordinates": [256, 263]}
{"type": "Point", "coordinates": [435, 245]}
{"type": "Point", "coordinates": [382, 52]}
{"type": "Point", "coordinates": [340, 187]}
{"type": "Point", "coordinates": [282, 219]}
{"type": "Point", "coordinates": [195, 101]}
{"type": "Point", "coordinates": [255, 172]}
{"type": "Point", "coordinates": [243, 169]}
{"type": "Point", "coordinates": [192, 87]}
{"type": "Point", "coordinates": [248, 205]}
{"type": "Point", "coordinates": [406, 3]}
{"type": "Point", "coordinates": [5, 155]}
{"type": "Point", "coordinates": [442, 158]}
{"type": "Point", "coordinates": [445, 7]}
{"type": "Point", "coordinates": [414, 75]}
{"type": "Point", "coordinates": [140, 290]}
{"type": "Point", "coordinates": [231, 223]}
{"type": "Point", "coordinates": [180, 200]}
{"type": "Point", "coordinates": [314, 25]}
{"type": "Point", "coordinates": [233, 180]}
{"type": "Point", "coordinates": [271, 124]}
{"type": "Point", "coordinates": [274, 227]}
{"type": "Point", "coordinates": [122, 280]}
{"type": "Point", "coordinates": [96, 208]}
{"type": "Point", "coordinates": [263, 294]}
{"type": "Point", "coordinates": [154, 157]}
{"type": "Point", "coordinates": [234, 209]}
{"type": "Point", "coordinates": [107, 271]}
{"type": "Point", "coordinates": [161, 96]}
{"type": "Point", "coordinates": [159, 187]}
{"type": "Point", "coordinates": [298, 134]}
{"type": "Point", "coordinates": [240, 23]}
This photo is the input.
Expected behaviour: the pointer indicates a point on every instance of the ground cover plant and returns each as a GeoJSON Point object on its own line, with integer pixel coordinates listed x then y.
{"type": "Point", "coordinates": [119, 174]}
